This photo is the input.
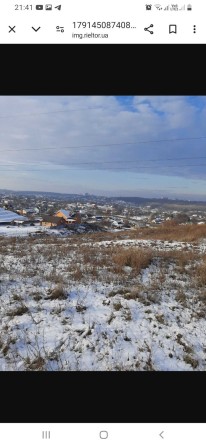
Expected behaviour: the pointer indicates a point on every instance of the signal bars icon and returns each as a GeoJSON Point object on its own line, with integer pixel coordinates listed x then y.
{"type": "Point", "coordinates": [171, 7]}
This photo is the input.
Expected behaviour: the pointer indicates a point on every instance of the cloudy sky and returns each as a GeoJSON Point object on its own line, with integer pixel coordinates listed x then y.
{"type": "Point", "coordinates": [148, 146]}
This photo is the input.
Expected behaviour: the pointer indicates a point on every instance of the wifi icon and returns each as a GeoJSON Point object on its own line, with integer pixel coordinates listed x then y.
{"type": "Point", "coordinates": [159, 7]}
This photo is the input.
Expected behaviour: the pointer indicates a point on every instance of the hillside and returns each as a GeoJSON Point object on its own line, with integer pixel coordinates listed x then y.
{"type": "Point", "coordinates": [103, 302]}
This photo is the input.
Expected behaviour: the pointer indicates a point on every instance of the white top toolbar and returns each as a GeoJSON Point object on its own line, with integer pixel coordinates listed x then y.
{"type": "Point", "coordinates": [89, 21]}
{"type": "Point", "coordinates": [102, 435]}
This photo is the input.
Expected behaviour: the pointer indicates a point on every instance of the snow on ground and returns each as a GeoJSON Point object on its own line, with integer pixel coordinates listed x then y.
{"type": "Point", "coordinates": [25, 230]}
{"type": "Point", "coordinates": [57, 313]}
{"type": "Point", "coordinates": [158, 244]}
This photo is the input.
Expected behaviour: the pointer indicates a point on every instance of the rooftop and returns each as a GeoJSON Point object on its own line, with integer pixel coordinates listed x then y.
{"type": "Point", "coordinates": [9, 216]}
{"type": "Point", "coordinates": [67, 213]}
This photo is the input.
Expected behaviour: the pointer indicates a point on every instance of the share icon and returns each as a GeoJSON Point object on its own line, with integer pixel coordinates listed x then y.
{"type": "Point", "coordinates": [147, 29]}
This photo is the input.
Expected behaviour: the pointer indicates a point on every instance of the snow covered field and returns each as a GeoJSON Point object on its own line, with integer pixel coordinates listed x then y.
{"type": "Point", "coordinates": [6, 230]}
{"type": "Point", "coordinates": [75, 303]}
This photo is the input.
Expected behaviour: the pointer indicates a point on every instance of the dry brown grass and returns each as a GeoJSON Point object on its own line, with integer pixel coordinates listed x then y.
{"type": "Point", "coordinates": [77, 274]}
{"type": "Point", "coordinates": [80, 306]}
{"type": "Point", "coordinates": [160, 318]}
{"type": "Point", "coordinates": [37, 296]}
{"type": "Point", "coordinates": [17, 311]}
{"type": "Point", "coordinates": [190, 360]}
{"type": "Point", "coordinates": [181, 258]}
{"type": "Point", "coordinates": [170, 231]}
{"type": "Point", "coordinates": [7, 245]}
{"type": "Point", "coordinates": [199, 273]}
{"type": "Point", "coordinates": [54, 277]}
{"type": "Point", "coordinates": [111, 318]}
{"type": "Point", "coordinates": [58, 293]}
{"type": "Point", "coordinates": [38, 364]}
{"type": "Point", "coordinates": [127, 315]}
{"type": "Point", "coordinates": [136, 258]}
{"type": "Point", "coordinates": [181, 297]}
{"type": "Point", "coordinates": [117, 305]}
{"type": "Point", "coordinates": [173, 231]}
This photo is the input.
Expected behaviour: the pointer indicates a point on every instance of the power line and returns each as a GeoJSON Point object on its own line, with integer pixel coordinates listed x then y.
{"type": "Point", "coordinates": [114, 168]}
{"type": "Point", "coordinates": [54, 111]}
{"type": "Point", "coordinates": [111, 162]}
{"type": "Point", "coordinates": [103, 145]}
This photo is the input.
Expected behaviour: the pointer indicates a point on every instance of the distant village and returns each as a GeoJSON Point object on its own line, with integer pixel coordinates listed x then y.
{"type": "Point", "coordinates": [89, 213]}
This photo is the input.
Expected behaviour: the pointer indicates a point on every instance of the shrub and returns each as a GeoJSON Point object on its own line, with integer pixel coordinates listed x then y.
{"type": "Point", "coordinates": [58, 293]}
{"type": "Point", "coordinates": [181, 297]}
{"type": "Point", "coordinates": [200, 273]}
{"type": "Point", "coordinates": [117, 305]}
{"type": "Point", "coordinates": [136, 258]}
{"type": "Point", "coordinates": [37, 364]}
{"type": "Point", "coordinates": [17, 311]}
{"type": "Point", "coordinates": [188, 359]}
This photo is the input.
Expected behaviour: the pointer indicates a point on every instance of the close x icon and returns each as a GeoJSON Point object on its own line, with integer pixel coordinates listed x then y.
{"type": "Point", "coordinates": [12, 29]}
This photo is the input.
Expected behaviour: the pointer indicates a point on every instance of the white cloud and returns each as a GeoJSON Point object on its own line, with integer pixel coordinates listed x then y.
{"type": "Point", "coordinates": [97, 120]}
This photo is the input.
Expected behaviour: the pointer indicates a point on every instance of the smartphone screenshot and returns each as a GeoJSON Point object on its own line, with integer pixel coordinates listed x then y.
{"type": "Point", "coordinates": [102, 282]}
{"type": "Point", "coordinates": [101, 22]}
{"type": "Point", "coordinates": [102, 224]}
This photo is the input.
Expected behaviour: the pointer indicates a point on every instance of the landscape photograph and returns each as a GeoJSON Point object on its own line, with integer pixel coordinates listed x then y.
{"type": "Point", "coordinates": [102, 233]}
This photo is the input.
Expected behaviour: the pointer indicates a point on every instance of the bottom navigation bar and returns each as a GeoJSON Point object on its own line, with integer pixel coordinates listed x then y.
{"type": "Point", "coordinates": [103, 434]}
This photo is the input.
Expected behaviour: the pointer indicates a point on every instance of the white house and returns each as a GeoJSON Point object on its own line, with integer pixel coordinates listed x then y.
{"type": "Point", "coordinates": [9, 217]}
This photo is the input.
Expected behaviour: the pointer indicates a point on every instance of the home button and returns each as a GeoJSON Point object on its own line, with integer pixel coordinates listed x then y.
{"type": "Point", "coordinates": [103, 434]}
